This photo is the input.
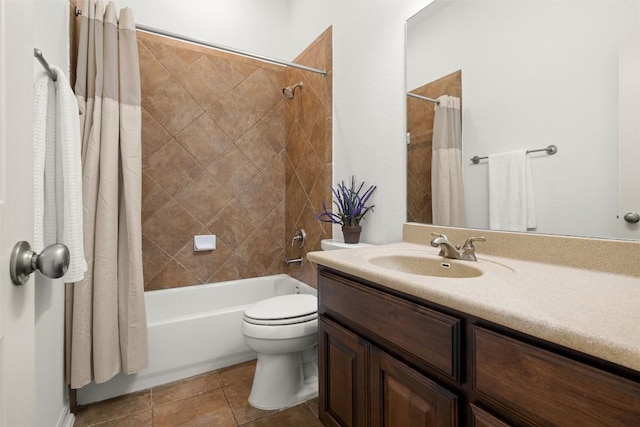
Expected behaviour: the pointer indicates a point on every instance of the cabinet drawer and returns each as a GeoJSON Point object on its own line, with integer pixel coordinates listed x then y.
{"type": "Point", "coordinates": [425, 334]}
{"type": "Point", "coordinates": [547, 389]}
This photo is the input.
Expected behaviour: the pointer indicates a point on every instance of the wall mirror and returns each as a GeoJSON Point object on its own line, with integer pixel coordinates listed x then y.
{"type": "Point", "coordinates": [532, 74]}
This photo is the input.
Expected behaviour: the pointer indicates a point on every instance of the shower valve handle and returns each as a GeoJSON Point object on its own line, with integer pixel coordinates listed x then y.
{"type": "Point", "coordinates": [300, 237]}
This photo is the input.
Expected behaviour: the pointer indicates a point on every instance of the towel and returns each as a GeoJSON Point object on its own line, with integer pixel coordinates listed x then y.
{"type": "Point", "coordinates": [511, 200]}
{"type": "Point", "coordinates": [58, 171]}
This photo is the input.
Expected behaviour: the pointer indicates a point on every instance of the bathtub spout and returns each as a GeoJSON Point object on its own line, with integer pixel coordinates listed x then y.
{"type": "Point", "coordinates": [293, 261]}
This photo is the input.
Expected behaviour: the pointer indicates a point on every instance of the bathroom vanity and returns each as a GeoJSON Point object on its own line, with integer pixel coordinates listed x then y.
{"type": "Point", "coordinates": [397, 350]}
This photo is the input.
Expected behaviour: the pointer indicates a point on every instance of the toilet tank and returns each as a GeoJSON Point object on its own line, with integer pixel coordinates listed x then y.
{"type": "Point", "coordinates": [330, 244]}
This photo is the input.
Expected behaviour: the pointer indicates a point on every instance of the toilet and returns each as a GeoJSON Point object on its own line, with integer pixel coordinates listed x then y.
{"type": "Point", "coordinates": [283, 331]}
{"type": "Point", "coordinates": [330, 245]}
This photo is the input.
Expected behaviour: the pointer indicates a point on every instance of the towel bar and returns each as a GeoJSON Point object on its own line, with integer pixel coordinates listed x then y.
{"type": "Point", "coordinates": [40, 57]}
{"type": "Point", "coordinates": [551, 150]}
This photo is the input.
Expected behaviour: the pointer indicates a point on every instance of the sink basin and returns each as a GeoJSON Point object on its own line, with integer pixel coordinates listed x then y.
{"type": "Point", "coordinates": [424, 266]}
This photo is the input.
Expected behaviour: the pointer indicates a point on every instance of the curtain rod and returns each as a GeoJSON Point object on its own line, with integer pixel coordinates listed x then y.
{"type": "Point", "coordinates": [229, 49]}
{"type": "Point", "coordinates": [223, 48]}
{"type": "Point", "coordinates": [424, 98]}
{"type": "Point", "coordinates": [40, 57]}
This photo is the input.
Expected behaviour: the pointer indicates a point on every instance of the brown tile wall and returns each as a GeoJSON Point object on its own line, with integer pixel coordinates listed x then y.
{"type": "Point", "coordinates": [213, 161]}
{"type": "Point", "coordinates": [222, 150]}
{"type": "Point", "coordinates": [420, 126]}
{"type": "Point", "coordinates": [309, 153]}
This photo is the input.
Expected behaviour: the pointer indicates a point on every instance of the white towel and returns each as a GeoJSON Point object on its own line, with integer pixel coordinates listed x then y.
{"type": "Point", "coordinates": [511, 200]}
{"type": "Point", "coordinates": [58, 171]}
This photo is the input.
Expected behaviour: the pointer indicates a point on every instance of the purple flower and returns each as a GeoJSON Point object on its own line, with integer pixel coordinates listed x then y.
{"type": "Point", "coordinates": [350, 203]}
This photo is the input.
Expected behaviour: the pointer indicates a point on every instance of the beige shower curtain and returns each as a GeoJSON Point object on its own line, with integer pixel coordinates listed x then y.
{"type": "Point", "coordinates": [447, 188]}
{"type": "Point", "coordinates": [106, 326]}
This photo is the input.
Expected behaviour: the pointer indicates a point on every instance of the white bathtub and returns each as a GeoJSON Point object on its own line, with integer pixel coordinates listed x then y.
{"type": "Point", "coordinates": [195, 329]}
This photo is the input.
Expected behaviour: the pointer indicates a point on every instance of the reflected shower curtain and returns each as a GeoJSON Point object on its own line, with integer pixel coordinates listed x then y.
{"type": "Point", "coordinates": [447, 189]}
{"type": "Point", "coordinates": [106, 325]}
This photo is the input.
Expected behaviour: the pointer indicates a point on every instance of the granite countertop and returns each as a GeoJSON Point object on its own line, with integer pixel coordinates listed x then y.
{"type": "Point", "coordinates": [594, 312]}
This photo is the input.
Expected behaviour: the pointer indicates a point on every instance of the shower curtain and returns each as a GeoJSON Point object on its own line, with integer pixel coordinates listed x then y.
{"type": "Point", "coordinates": [106, 326]}
{"type": "Point", "coordinates": [447, 189]}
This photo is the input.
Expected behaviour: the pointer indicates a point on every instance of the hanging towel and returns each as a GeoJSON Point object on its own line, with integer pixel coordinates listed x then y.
{"type": "Point", "coordinates": [511, 201]}
{"type": "Point", "coordinates": [58, 171]}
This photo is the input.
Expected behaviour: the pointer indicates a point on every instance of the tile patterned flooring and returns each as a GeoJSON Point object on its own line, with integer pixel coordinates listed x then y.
{"type": "Point", "coordinates": [217, 398]}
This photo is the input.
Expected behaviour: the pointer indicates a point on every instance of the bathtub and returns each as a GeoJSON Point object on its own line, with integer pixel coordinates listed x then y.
{"type": "Point", "coordinates": [193, 330]}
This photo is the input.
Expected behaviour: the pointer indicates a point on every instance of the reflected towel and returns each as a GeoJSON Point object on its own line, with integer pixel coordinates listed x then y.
{"type": "Point", "coordinates": [511, 200]}
{"type": "Point", "coordinates": [58, 171]}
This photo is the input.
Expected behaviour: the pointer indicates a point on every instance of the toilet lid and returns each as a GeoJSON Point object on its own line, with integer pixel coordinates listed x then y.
{"type": "Point", "coordinates": [285, 309]}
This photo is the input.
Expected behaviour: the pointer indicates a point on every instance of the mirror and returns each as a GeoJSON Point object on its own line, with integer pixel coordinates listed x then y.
{"type": "Point", "coordinates": [533, 74]}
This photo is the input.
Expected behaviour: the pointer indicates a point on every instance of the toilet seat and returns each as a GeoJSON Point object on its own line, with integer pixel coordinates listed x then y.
{"type": "Point", "coordinates": [283, 310]}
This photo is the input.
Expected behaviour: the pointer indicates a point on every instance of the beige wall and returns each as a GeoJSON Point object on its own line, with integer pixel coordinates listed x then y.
{"type": "Point", "coordinates": [218, 140]}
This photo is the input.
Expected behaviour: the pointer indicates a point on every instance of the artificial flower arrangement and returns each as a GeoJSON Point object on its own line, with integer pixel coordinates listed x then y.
{"type": "Point", "coordinates": [351, 208]}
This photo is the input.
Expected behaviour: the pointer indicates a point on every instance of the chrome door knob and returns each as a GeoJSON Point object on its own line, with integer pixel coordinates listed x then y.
{"type": "Point", "coordinates": [632, 217]}
{"type": "Point", "coordinates": [52, 262]}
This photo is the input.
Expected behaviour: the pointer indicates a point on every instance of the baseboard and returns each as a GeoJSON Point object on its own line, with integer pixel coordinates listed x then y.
{"type": "Point", "coordinates": [66, 419]}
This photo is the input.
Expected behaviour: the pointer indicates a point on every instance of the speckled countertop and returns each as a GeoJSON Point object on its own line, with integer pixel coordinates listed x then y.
{"type": "Point", "coordinates": [595, 312]}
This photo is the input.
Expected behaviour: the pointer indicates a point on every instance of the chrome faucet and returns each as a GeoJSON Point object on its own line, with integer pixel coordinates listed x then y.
{"type": "Point", "coordinates": [293, 261]}
{"type": "Point", "coordinates": [448, 250]}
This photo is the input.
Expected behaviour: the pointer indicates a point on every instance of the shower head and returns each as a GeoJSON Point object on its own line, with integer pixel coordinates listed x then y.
{"type": "Point", "coordinates": [289, 91]}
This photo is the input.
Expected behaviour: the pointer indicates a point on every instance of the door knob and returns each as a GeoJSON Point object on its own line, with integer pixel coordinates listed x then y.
{"type": "Point", "coordinates": [52, 262]}
{"type": "Point", "coordinates": [632, 217]}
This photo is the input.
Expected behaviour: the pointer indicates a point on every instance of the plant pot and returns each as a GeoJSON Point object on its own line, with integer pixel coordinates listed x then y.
{"type": "Point", "coordinates": [351, 233]}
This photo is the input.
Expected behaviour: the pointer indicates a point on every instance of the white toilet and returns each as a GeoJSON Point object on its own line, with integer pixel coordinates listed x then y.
{"type": "Point", "coordinates": [283, 331]}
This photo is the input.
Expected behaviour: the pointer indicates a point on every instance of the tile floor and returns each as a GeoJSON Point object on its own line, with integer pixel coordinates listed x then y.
{"type": "Point", "coordinates": [217, 398]}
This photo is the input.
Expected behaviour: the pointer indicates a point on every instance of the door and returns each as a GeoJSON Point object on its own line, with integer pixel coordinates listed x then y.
{"type": "Point", "coordinates": [403, 397]}
{"type": "Point", "coordinates": [629, 137]}
{"type": "Point", "coordinates": [342, 367]}
{"type": "Point", "coordinates": [17, 321]}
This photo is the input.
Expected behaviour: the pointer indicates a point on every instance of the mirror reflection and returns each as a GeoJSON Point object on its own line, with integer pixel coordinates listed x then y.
{"type": "Point", "coordinates": [528, 75]}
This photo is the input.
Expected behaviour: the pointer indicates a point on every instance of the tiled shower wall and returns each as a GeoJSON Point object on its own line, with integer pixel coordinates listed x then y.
{"type": "Point", "coordinates": [213, 161]}
{"type": "Point", "coordinates": [309, 154]}
{"type": "Point", "coordinates": [420, 127]}
{"type": "Point", "coordinates": [221, 147]}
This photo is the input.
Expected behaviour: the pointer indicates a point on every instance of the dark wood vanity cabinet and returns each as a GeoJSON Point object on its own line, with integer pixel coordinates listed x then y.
{"type": "Point", "coordinates": [363, 385]}
{"type": "Point", "coordinates": [390, 360]}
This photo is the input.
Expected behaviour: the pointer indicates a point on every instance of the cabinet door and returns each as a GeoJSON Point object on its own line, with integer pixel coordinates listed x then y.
{"type": "Point", "coordinates": [400, 396]}
{"type": "Point", "coordinates": [342, 365]}
{"type": "Point", "coordinates": [480, 418]}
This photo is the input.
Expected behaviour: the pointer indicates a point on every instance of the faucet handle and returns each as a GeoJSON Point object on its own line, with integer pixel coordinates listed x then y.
{"type": "Point", "coordinates": [299, 237]}
{"type": "Point", "coordinates": [468, 244]}
{"type": "Point", "coordinates": [437, 235]}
